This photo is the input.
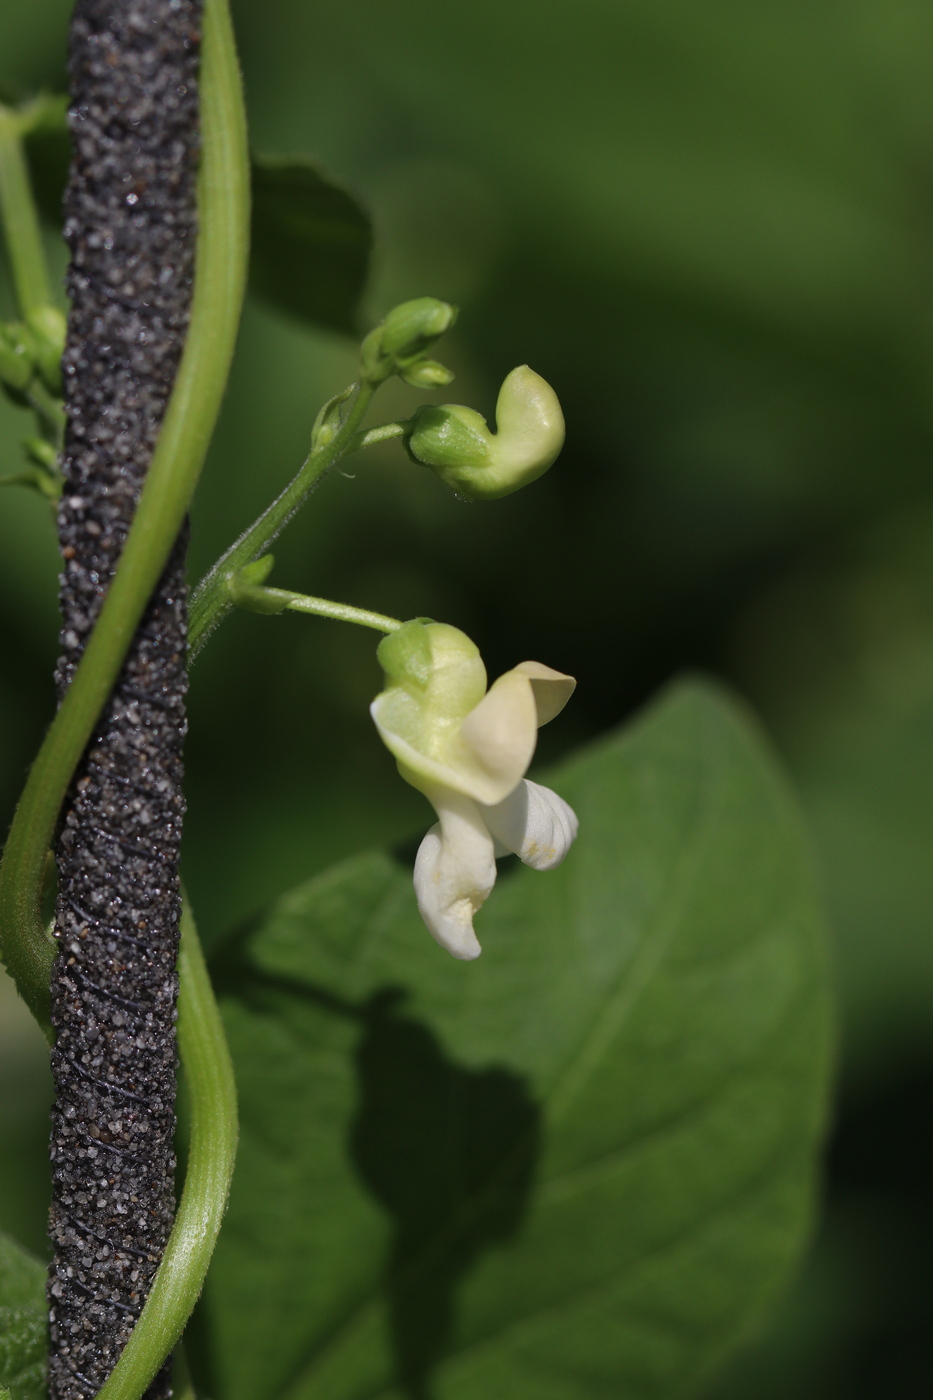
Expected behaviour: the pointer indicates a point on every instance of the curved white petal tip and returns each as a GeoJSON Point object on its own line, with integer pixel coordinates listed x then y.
{"type": "Point", "coordinates": [535, 823]}
{"type": "Point", "coordinates": [452, 878]}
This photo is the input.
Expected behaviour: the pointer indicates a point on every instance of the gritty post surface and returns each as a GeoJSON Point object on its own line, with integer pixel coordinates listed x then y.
{"type": "Point", "coordinates": [130, 224]}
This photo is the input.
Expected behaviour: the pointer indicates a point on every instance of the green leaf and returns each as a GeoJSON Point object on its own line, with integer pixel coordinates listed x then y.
{"type": "Point", "coordinates": [311, 242]}
{"type": "Point", "coordinates": [23, 1340]}
{"type": "Point", "coordinates": [311, 239]}
{"type": "Point", "coordinates": [579, 1167]}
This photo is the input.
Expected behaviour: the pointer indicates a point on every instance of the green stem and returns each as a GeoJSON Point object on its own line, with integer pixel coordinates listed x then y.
{"type": "Point", "coordinates": [386, 433]}
{"type": "Point", "coordinates": [341, 612]}
{"type": "Point", "coordinates": [223, 212]}
{"type": "Point", "coordinates": [212, 599]}
{"type": "Point", "coordinates": [20, 220]}
{"type": "Point", "coordinates": [212, 1092]}
{"type": "Point", "coordinates": [278, 600]}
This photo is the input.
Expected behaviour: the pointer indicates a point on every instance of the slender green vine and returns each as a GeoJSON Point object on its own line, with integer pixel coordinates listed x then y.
{"type": "Point", "coordinates": [223, 212]}
{"type": "Point", "coordinates": [212, 1092]}
{"type": "Point", "coordinates": [248, 590]}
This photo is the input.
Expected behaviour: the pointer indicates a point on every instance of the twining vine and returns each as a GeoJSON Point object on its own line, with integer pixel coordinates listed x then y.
{"type": "Point", "coordinates": [222, 210]}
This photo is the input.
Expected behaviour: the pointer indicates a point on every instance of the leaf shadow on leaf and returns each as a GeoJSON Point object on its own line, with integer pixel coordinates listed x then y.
{"type": "Point", "coordinates": [449, 1152]}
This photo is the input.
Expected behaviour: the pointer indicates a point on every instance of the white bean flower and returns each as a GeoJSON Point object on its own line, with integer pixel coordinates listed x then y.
{"type": "Point", "coordinates": [468, 749]}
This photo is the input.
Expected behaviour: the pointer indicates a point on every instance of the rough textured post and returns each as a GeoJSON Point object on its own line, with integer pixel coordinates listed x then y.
{"type": "Point", "coordinates": [130, 224]}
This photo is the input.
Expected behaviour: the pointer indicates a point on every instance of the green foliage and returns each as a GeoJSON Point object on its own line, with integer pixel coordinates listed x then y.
{"type": "Point", "coordinates": [580, 1166]}
{"type": "Point", "coordinates": [23, 1343]}
{"type": "Point", "coordinates": [311, 242]}
{"type": "Point", "coordinates": [311, 239]}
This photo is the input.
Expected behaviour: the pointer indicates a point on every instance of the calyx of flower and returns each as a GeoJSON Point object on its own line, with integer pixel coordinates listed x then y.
{"type": "Point", "coordinates": [457, 444]}
{"type": "Point", "coordinates": [467, 749]}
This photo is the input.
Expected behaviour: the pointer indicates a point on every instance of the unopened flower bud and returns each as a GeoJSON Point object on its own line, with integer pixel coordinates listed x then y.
{"type": "Point", "coordinates": [42, 453]}
{"type": "Point", "coordinates": [17, 355]}
{"type": "Point", "coordinates": [413, 327]}
{"type": "Point", "coordinates": [48, 326]}
{"type": "Point", "coordinates": [427, 374]}
{"type": "Point", "coordinates": [456, 443]}
{"type": "Point", "coordinates": [405, 336]}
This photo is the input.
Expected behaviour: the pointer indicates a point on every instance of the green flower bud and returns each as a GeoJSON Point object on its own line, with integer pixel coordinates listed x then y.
{"type": "Point", "coordinates": [48, 326]}
{"type": "Point", "coordinates": [456, 443]}
{"type": "Point", "coordinates": [42, 453]}
{"type": "Point", "coordinates": [427, 374]}
{"type": "Point", "coordinates": [404, 337]}
{"type": "Point", "coordinates": [17, 355]}
{"type": "Point", "coordinates": [415, 326]}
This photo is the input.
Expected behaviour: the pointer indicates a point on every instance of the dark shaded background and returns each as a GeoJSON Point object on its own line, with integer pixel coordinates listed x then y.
{"type": "Point", "coordinates": [710, 227]}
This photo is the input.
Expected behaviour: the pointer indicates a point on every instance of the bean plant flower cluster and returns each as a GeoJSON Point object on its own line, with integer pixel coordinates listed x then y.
{"type": "Point", "coordinates": [465, 748]}
{"type": "Point", "coordinates": [468, 749]}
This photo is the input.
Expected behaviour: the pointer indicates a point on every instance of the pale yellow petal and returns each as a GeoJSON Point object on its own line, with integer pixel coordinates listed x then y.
{"type": "Point", "coordinates": [500, 733]}
{"type": "Point", "coordinates": [552, 689]}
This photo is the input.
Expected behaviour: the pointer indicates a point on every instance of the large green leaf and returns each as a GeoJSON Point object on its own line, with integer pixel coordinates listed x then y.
{"type": "Point", "coordinates": [311, 242]}
{"type": "Point", "coordinates": [579, 1167]}
{"type": "Point", "coordinates": [23, 1341]}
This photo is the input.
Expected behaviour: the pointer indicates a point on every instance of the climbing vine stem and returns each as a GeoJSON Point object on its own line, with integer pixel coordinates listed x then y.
{"type": "Point", "coordinates": [220, 274]}
{"type": "Point", "coordinates": [212, 1096]}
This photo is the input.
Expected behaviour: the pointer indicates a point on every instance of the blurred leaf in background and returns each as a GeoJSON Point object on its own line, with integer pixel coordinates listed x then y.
{"type": "Point", "coordinates": [22, 1322]}
{"type": "Point", "coordinates": [309, 245]}
{"type": "Point", "coordinates": [711, 229]}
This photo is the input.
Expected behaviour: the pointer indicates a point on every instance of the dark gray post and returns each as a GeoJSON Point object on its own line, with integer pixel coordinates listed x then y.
{"type": "Point", "coordinates": [130, 224]}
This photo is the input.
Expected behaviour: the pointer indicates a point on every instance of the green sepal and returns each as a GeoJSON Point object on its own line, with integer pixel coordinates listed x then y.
{"type": "Point", "coordinates": [331, 419]}
{"type": "Point", "coordinates": [448, 438]}
{"type": "Point", "coordinates": [405, 655]}
{"type": "Point", "coordinates": [246, 588]}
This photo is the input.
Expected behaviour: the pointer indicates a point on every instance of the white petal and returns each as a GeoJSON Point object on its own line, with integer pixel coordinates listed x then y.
{"type": "Point", "coordinates": [535, 823]}
{"type": "Point", "coordinates": [455, 869]}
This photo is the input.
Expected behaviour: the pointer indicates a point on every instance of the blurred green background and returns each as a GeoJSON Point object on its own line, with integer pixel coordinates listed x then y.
{"type": "Point", "coordinates": [711, 228]}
